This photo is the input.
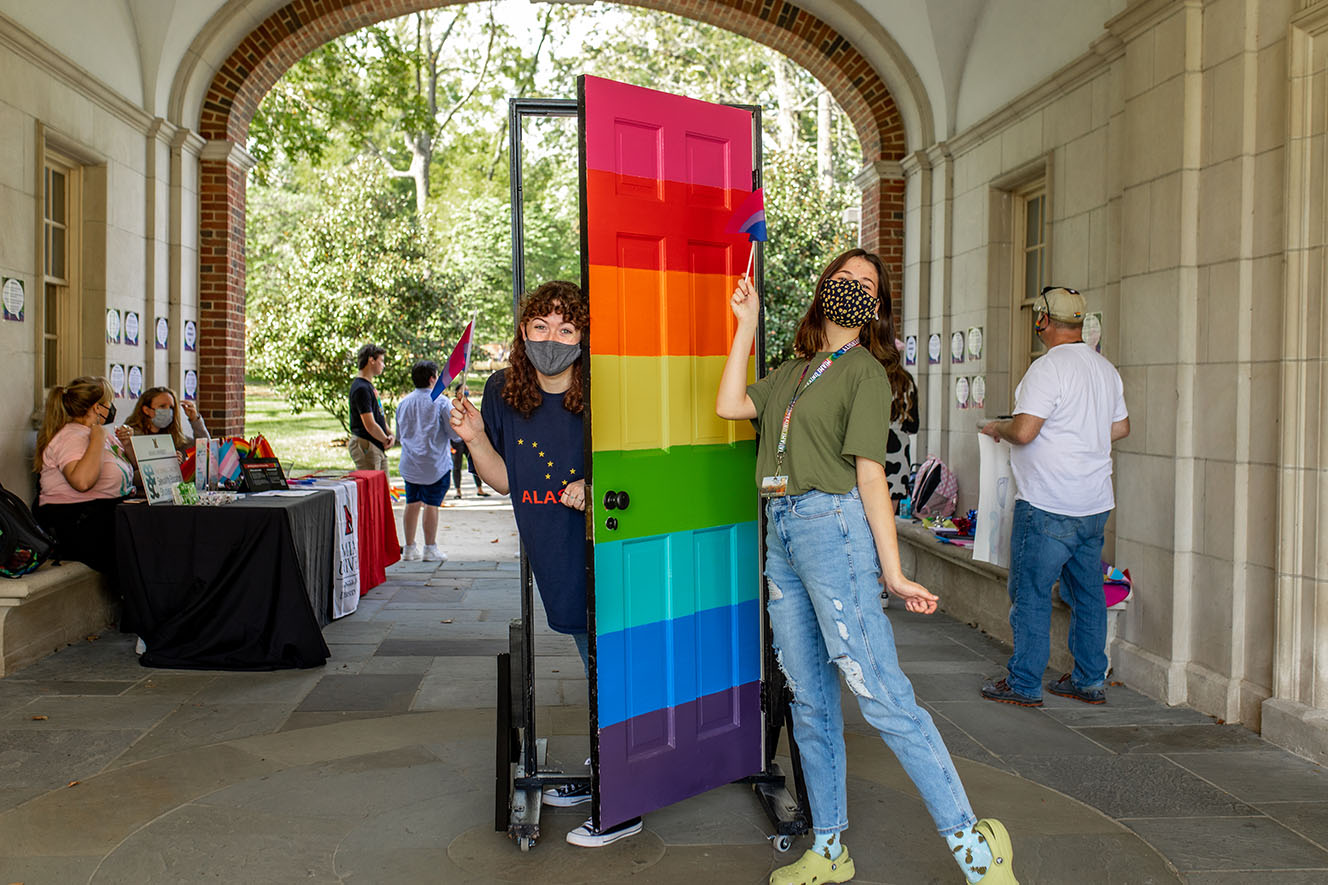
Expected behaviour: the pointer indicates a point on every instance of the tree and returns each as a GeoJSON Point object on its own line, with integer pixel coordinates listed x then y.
{"type": "Point", "coordinates": [360, 267]}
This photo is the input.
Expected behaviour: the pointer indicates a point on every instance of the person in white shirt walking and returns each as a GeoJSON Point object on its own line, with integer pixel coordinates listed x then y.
{"type": "Point", "coordinates": [424, 429]}
{"type": "Point", "coordinates": [1069, 409]}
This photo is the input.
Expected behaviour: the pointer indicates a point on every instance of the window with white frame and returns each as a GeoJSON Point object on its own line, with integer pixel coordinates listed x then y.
{"type": "Point", "coordinates": [61, 301]}
{"type": "Point", "coordinates": [1030, 255]}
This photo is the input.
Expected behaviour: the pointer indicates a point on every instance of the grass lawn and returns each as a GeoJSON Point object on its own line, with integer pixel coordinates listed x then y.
{"type": "Point", "coordinates": [307, 442]}
{"type": "Point", "coordinates": [313, 440]}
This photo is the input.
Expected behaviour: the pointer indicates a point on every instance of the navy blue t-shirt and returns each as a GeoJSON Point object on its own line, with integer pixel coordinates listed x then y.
{"type": "Point", "coordinates": [544, 454]}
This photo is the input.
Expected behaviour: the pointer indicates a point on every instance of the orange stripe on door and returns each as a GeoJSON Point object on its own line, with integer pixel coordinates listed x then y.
{"type": "Point", "coordinates": [660, 313]}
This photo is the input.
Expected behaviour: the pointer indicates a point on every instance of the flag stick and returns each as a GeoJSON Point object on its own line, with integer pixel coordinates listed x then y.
{"type": "Point", "coordinates": [751, 257]}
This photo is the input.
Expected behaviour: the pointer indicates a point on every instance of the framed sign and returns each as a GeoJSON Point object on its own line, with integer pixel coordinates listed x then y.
{"type": "Point", "coordinates": [975, 342]}
{"type": "Point", "coordinates": [112, 327]}
{"type": "Point", "coordinates": [190, 384]}
{"type": "Point", "coordinates": [961, 391]}
{"type": "Point", "coordinates": [957, 347]}
{"type": "Point", "coordinates": [135, 381]}
{"type": "Point", "coordinates": [261, 475]}
{"type": "Point", "coordinates": [190, 335]}
{"type": "Point", "coordinates": [977, 394]}
{"type": "Point", "coordinates": [934, 349]}
{"type": "Point", "coordinates": [117, 378]}
{"type": "Point", "coordinates": [911, 350]}
{"type": "Point", "coordinates": [1093, 331]}
{"type": "Point", "coordinates": [11, 293]}
{"type": "Point", "coordinates": [163, 333]}
{"type": "Point", "coordinates": [131, 328]}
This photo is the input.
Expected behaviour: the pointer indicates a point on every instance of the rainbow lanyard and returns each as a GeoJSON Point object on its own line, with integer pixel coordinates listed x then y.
{"type": "Point", "coordinates": [798, 391]}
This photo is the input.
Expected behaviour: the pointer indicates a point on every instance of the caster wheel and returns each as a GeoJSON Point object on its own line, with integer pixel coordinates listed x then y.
{"type": "Point", "coordinates": [783, 843]}
{"type": "Point", "coordinates": [525, 843]}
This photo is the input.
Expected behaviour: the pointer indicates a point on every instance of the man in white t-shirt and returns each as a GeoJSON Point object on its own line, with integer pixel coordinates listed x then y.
{"type": "Point", "coordinates": [1069, 409]}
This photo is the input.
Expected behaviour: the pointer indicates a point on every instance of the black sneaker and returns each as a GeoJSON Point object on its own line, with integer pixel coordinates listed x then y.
{"type": "Point", "coordinates": [567, 795]}
{"type": "Point", "coordinates": [588, 837]}
{"type": "Point", "coordinates": [1066, 688]}
{"type": "Point", "coordinates": [1000, 690]}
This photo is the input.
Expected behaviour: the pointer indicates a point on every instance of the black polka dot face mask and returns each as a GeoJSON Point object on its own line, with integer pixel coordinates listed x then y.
{"type": "Point", "coordinates": [846, 303]}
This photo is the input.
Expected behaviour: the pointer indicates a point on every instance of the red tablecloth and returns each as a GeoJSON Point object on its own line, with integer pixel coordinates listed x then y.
{"type": "Point", "coordinates": [378, 528]}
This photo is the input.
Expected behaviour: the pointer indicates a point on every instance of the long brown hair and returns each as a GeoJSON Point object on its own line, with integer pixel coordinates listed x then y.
{"type": "Point", "coordinates": [139, 423]}
{"type": "Point", "coordinates": [878, 335]}
{"type": "Point", "coordinates": [521, 386]}
{"type": "Point", "coordinates": [64, 404]}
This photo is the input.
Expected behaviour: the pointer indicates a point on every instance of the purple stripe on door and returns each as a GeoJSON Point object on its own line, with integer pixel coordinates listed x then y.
{"type": "Point", "coordinates": [642, 752]}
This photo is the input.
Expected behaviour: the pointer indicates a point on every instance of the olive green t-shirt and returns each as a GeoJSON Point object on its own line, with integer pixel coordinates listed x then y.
{"type": "Point", "coordinates": [845, 413]}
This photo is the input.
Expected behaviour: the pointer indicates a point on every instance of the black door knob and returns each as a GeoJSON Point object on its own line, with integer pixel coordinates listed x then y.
{"type": "Point", "coordinates": [610, 500]}
{"type": "Point", "coordinates": [623, 500]}
{"type": "Point", "coordinates": [611, 523]}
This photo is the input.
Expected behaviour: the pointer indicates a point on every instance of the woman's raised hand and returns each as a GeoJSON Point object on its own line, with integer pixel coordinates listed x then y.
{"type": "Point", "coordinates": [190, 410]}
{"type": "Point", "coordinates": [745, 303]}
{"type": "Point", "coordinates": [466, 420]}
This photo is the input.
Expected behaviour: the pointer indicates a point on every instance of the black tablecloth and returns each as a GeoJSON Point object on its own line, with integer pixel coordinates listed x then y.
{"type": "Point", "coordinates": [244, 586]}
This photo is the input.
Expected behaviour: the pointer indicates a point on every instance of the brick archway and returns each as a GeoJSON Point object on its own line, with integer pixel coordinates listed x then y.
{"type": "Point", "coordinates": [301, 26]}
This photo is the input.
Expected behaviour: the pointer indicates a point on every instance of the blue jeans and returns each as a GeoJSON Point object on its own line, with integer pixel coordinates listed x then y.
{"type": "Point", "coordinates": [1045, 546]}
{"type": "Point", "coordinates": [825, 613]}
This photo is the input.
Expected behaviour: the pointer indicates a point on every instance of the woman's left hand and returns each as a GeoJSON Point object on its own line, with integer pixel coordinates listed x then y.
{"type": "Point", "coordinates": [190, 410]}
{"type": "Point", "coordinates": [574, 495]}
{"type": "Point", "coordinates": [917, 598]}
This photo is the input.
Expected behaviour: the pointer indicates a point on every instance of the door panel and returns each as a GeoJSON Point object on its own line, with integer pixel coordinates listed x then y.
{"type": "Point", "coordinates": [677, 625]}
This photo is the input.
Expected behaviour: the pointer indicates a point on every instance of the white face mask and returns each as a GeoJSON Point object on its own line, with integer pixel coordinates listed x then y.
{"type": "Point", "coordinates": [161, 418]}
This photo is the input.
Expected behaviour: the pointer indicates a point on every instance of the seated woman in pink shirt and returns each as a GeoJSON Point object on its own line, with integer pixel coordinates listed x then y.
{"type": "Point", "coordinates": [85, 472]}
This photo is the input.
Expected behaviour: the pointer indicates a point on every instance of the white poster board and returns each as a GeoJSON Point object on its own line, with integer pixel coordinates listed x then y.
{"type": "Point", "coordinates": [996, 491]}
{"type": "Point", "coordinates": [158, 466]}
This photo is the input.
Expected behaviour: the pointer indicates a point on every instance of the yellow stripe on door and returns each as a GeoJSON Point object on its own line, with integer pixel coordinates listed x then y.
{"type": "Point", "coordinates": [651, 402]}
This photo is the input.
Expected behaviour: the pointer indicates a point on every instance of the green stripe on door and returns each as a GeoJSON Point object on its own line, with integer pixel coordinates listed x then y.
{"type": "Point", "coordinates": [687, 487]}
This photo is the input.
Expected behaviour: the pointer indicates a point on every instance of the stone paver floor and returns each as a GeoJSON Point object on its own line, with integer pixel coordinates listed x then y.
{"type": "Point", "coordinates": [378, 766]}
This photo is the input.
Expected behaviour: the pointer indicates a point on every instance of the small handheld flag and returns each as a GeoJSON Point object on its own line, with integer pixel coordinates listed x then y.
{"type": "Point", "coordinates": [457, 363]}
{"type": "Point", "coordinates": [749, 219]}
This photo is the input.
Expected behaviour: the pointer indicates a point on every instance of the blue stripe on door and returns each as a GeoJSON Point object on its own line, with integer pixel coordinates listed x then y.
{"type": "Point", "coordinates": [669, 663]}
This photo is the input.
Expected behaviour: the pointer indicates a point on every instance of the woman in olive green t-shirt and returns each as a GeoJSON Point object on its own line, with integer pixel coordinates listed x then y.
{"type": "Point", "coordinates": [830, 543]}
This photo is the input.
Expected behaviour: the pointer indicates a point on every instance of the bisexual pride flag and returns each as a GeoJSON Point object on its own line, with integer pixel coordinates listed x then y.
{"type": "Point", "coordinates": [457, 363]}
{"type": "Point", "coordinates": [749, 218]}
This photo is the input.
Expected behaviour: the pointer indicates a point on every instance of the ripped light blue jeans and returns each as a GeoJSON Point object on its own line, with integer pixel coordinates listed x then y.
{"type": "Point", "coordinates": [825, 613]}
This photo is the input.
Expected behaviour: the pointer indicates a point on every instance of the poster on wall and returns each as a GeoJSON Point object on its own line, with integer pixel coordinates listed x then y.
{"type": "Point", "coordinates": [1093, 331]}
{"type": "Point", "coordinates": [911, 350]}
{"type": "Point", "coordinates": [961, 391]}
{"type": "Point", "coordinates": [957, 347]}
{"type": "Point", "coordinates": [190, 384]}
{"type": "Point", "coordinates": [977, 394]}
{"type": "Point", "coordinates": [117, 379]}
{"type": "Point", "coordinates": [131, 328]}
{"type": "Point", "coordinates": [13, 299]}
{"type": "Point", "coordinates": [163, 333]}
{"type": "Point", "coordinates": [975, 342]}
{"type": "Point", "coordinates": [135, 381]}
{"type": "Point", "coordinates": [112, 327]}
{"type": "Point", "coordinates": [190, 335]}
{"type": "Point", "coordinates": [934, 349]}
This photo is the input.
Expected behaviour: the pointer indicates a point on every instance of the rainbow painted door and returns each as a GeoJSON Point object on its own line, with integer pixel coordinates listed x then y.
{"type": "Point", "coordinates": [676, 597]}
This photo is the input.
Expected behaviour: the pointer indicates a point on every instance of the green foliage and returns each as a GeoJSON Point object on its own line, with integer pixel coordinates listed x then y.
{"type": "Point", "coordinates": [359, 267]}
{"type": "Point", "coordinates": [806, 228]}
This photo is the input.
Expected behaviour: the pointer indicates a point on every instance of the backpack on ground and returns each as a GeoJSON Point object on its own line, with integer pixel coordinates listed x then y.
{"type": "Point", "coordinates": [24, 545]}
{"type": "Point", "coordinates": [935, 489]}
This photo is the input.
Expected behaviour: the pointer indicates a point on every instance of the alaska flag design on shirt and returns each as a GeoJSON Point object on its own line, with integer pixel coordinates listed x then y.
{"type": "Point", "coordinates": [544, 454]}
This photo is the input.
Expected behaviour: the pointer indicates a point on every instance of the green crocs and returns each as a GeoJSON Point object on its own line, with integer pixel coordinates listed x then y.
{"type": "Point", "coordinates": [815, 869]}
{"type": "Point", "coordinates": [1002, 853]}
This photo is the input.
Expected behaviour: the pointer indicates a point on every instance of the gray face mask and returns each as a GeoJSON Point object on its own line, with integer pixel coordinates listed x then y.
{"type": "Point", "coordinates": [161, 418]}
{"type": "Point", "coordinates": [552, 357]}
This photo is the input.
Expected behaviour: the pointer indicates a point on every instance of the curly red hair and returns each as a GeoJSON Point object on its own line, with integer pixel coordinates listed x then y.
{"type": "Point", "coordinates": [521, 386]}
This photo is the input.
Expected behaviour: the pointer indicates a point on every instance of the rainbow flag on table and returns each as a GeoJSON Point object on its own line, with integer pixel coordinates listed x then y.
{"type": "Point", "coordinates": [457, 363]}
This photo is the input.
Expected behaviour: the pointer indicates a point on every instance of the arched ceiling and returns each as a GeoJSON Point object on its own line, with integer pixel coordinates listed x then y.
{"type": "Point", "coordinates": [948, 63]}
